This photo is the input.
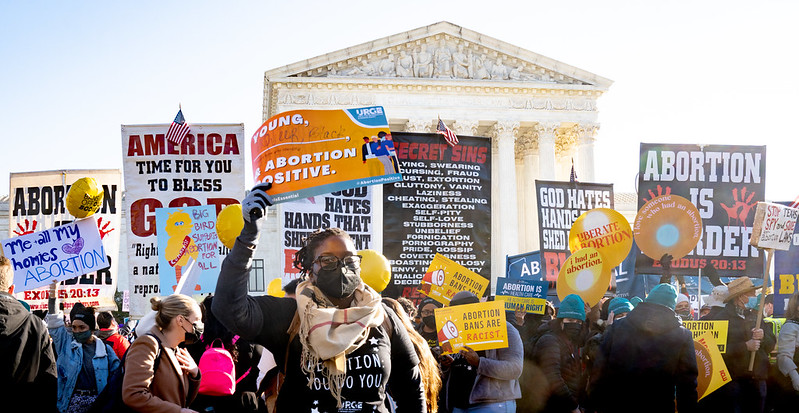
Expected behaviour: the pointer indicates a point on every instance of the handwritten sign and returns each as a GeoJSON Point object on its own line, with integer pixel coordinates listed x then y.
{"type": "Point", "coordinates": [311, 152]}
{"type": "Point", "coordinates": [444, 278]}
{"type": "Point", "coordinates": [717, 329]}
{"type": "Point", "coordinates": [480, 326]}
{"type": "Point", "coordinates": [186, 234]}
{"type": "Point", "coordinates": [55, 254]}
{"type": "Point", "coordinates": [710, 365]}
{"type": "Point", "coordinates": [529, 295]}
{"type": "Point", "coordinates": [773, 226]}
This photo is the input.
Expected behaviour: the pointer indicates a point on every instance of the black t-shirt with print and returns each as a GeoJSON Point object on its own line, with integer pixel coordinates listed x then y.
{"type": "Point", "coordinates": [369, 368]}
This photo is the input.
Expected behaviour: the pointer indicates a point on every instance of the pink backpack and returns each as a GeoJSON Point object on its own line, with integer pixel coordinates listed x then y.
{"type": "Point", "coordinates": [217, 371]}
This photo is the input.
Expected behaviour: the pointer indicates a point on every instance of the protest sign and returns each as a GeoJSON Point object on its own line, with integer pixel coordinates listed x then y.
{"type": "Point", "coordinates": [445, 277]}
{"type": "Point", "coordinates": [559, 205]}
{"type": "Point", "coordinates": [523, 294]}
{"type": "Point", "coordinates": [205, 169]}
{"type": "Point", "coordinates": [584, 273]}
{"type": "Point", "coordinates": [712, 371]}
{"type": "Point", "coordinates": [667, 224]}
{"type": "Point", "coordinates": [37, 201]}
{"type": "Point", "coordinates": [479, 326]}
{"type": "Point", "coordinates": [773, 226]}
{"type": "Point", "coordinates": [525, 266]}
{"type": "Point", "coordinates": [605, 230]}
{"type": "Point", "coordinates": [717, 329]}
{"type": "Point", "coordinates": [183, 234]}
{"type": "Point", "coordinates": [786, 274]}
{"type": "Point", "coordinates": [311, 152]}
{"type": "Point", "coordinates": [56, 254]}
{"type": "Point", "coordinates": [724, 182]}
{"type": "Point", "coordinates": [442, 206]}
{"type": "Point", "coordinates": [350, 210]}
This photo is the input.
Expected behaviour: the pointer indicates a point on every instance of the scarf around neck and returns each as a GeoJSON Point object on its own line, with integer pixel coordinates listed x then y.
{"type": "Point", "coordinates": [329, 333]}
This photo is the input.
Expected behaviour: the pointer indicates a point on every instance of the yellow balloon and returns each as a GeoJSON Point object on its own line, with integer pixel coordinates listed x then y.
{"type": "Point", "coordinates": [275, 288]}
{"type": "Point", "coordinates": [375, 269]}
{"type": "Point", "coordinates": [85, 197]}
{"type": "Point", "coordinates": [585, 274]}
{"type": "Point", "coordinates": [229, 224]}
{"type": "Point", "coordinates": [604, 229]}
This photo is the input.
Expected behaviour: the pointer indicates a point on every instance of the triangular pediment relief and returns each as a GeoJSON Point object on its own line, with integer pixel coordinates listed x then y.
{"type": "Point", "coordinates": [441, 51]}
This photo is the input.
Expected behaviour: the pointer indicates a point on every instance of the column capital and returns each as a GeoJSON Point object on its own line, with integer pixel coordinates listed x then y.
{"type": "Point", "coordinates": [419, 125]}
{"type": "Point", "coordinates": [466, 127]}
{"type": "Point", "coordinates": [526, 144]}
{"type": "Point", "coordinates": [506, 129]}
{"type": "Point", "coordinates": [547, 131]}
{"type": "Point", "coordinates": [566, 139]}
{"type": "Point", "coordinates": [587, 132]}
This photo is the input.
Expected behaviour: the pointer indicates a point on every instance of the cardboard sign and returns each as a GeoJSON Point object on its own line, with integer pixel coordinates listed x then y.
{"type": "Point", "coordinates": [584, 274]}
{"type": "Point", "coordinates": [668, 224]}
{"type": "Point", "coordinates": [773, 226]}
{"type": "Point", "coordinates": [710, 365]}
{"type": "Point", "coordinates": [529, 295]}
{"type": "Point", "coordinates": [480, 326]}
{"type": "Point", "coordinates": [311, 152]}
{"type": "Point", "coordinates": [716, 328]}
{"type": "Point", "coordinates": [604, 229]}
{"type": "Point", "coordinates": [185, 236]}
{"type": "Point", "coordinates": [444, 278]}
{"type": "Point", "coordinates": [56, 254]}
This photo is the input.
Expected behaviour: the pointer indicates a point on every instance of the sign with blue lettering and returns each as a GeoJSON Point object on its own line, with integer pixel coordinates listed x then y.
{"type": "Point", "coordinates": [55, 254]}
{"type": "Point", "coordinates": [524, 294]}
{"type": "Point", "coordinates": [525, 266]}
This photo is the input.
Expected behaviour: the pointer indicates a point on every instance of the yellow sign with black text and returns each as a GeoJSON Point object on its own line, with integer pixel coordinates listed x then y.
{"type": "Point", "coordinates": [480, 326]}
{"type": "Point", "coordinates": [717, 328]}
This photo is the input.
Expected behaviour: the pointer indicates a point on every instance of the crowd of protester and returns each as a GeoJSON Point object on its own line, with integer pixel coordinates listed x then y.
{"type": "Point", "coordinates": [334, 344]}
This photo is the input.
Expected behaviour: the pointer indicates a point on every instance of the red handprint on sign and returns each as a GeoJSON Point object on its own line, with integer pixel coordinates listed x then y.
{"type": "Point", "coordinates": [660, 192]}
{"type": "Point", "coordinates": [740, 209]}
{"type": "Point", "coordinates": [103, 228]}
{"type": "Point", "coordinates": [27, 229]}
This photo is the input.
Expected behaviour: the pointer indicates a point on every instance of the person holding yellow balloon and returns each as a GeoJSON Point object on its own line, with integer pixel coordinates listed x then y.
{"type": "Point", "coordinates": [339, 347]}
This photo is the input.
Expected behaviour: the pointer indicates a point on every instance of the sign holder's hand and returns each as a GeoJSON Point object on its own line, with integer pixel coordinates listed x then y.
{"type": "Point", "coordinates": [471, 356]}
{"type": "Point", "coordinates": [253, 208]}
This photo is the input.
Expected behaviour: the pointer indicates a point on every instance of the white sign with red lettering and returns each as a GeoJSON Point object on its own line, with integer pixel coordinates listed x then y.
{"type": "Point", "coordinates": [773, 226]}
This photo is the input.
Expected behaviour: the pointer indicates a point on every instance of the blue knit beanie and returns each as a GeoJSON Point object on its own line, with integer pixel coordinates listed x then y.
{"type": "Point", "coordinates": [663, 294]}
{"type": "Point", "coordinates": [620, 305]}
{"type": "Point", "coordinates": [635, 301]}
{"type": "Point", "coordinates": [572, 307]}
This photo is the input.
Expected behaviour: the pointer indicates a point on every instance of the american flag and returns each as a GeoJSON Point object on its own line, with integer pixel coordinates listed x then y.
{"type": "Point", "coordinates": [178, 129]}
{"type": "Point", "coordinates": [573, 175]}
{"type": "Point", "coordinates": [795, 203]}
{"type": "Point", "coordinates": [449, 135]}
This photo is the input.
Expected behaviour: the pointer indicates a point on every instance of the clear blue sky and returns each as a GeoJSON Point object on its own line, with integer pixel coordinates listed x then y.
{"type": "Point", "coordinates": [716, 72]}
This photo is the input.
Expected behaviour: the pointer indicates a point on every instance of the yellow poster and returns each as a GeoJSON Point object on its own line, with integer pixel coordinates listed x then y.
{"type": "Point", "coordinates": [710, 365]}
{"type": "Point", "coordinates": [310, 152]}
{"type": "Point", "coordinates": [605, 230]}
{"type": "Point", "coordinates": [584, 273]}
{"type": "Point", "coordinates": [716, 328]}
{"type": "Point", "coordinates": [478, 326]}
{"type": "Point", "coordinates": [444, 278]}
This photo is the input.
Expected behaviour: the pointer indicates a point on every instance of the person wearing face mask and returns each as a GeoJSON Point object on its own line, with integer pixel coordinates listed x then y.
{"type": "Point", "coordinates": [557, 354]}
{"type": "Point", "coordinates": [427, 329]}
{"type": "Point", "coordinates": [747, 391]}
{"type": "Point", "coordinates": [340, 348]}
{"type": "Point", "coordinates": [652, 354]}
{"type": "Point", "coordinates": [84, 361]}
{"type": "Point", "coordinates": [683, 308]}
{"type": "Point", "coordinates": [159, 375]}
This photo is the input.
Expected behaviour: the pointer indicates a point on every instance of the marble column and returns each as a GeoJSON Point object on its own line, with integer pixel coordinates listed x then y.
{"type": "Point", "coordinates": [546, 149]}
{"type": "Point", "coordinates": [466, 127]}
{"type": "Point", "coordinates": [585, 152]}
{"type": "Point", "coordinates": [526, 148]}
{"type": "Point", "coordinates": [506, 133]}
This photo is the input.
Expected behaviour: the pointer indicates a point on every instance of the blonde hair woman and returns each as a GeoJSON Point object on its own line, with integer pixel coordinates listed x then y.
{"type": "Point", "coordinates": [160, 376]}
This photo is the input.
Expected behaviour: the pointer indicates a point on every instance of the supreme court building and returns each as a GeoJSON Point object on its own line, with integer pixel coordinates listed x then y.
{"type": "Point", "coordinates": [539, 113]}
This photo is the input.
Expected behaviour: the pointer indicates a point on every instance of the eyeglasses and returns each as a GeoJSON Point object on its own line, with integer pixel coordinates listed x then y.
{"type": "Point", "coordinates": [331, 262]}
{"type": "Point", "coordinates": [426, 313]}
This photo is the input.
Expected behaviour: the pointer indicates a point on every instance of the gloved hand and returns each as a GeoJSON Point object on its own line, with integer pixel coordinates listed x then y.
{"type": "Point", "coordinates": [253, 208]}
{"type": "Point", "coordinates": [794, 375]}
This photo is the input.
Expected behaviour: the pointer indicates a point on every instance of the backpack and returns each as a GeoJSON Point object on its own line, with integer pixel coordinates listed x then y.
{"type": "Point", "coordinates": [110, 399]}
{"type": "Point", "coordinates": [217, 371]}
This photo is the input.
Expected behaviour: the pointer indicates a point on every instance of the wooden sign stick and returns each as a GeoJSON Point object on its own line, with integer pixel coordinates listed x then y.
{"type": "Point", "coordinates": [766, 279]}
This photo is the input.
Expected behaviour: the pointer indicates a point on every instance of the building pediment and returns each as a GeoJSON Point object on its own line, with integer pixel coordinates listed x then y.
{"type": "Point", "coordinates": [441, 51]}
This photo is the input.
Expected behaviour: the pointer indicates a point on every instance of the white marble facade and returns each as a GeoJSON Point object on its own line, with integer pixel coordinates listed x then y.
{"type": "Point", "coordinates": [540, 113]}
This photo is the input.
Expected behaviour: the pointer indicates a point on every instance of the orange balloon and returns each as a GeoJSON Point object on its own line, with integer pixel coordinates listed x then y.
{"type": "Point", "coordinates": [668, 224]}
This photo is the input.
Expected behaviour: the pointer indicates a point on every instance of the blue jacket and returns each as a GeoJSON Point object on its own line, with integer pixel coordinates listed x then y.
{"type": "Point", "coordinates": [70, 360]}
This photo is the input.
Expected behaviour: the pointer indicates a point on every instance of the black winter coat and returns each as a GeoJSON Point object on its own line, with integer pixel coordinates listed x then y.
{"type": "Point", "coordinates": [739, 331]}
{"type": "Point", "coordinates": [644, 361]}
{"type": "Point", "coordinates": [559, 361]}
{"type": "Point", "coordinates": [27, 364]}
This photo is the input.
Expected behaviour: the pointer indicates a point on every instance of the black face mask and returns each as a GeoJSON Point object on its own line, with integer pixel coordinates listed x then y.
{"type": "Point", "coordinates": [572, 330]}
{"type": "Point", "coordinates": [338, 283]}
{"type": "Point", "coordinates": [430, 321]}
{"type": "Point", "coordinates": [194, 336]}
